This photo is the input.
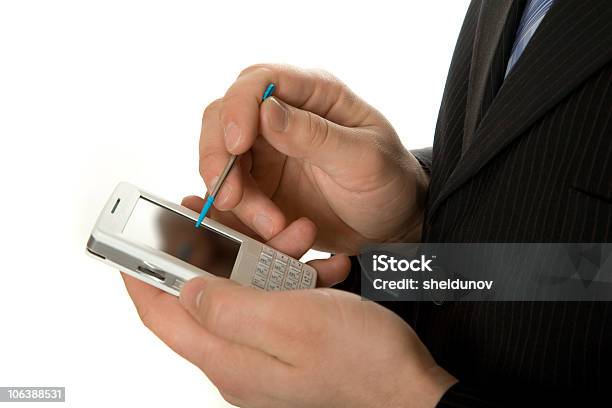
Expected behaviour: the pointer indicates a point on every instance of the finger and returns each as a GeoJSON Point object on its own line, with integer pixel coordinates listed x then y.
{"type": "Point", "coordinates": [257, 211]}
{"type": "Point", "coordinates": [315, 91]}
{"type": "Point", "coordinates": [227, 365]}
{"type": "Point", "coordinates": [166, 318]}
{"type": "Point", "coordinates": [246, 374]}
{"type": "Point", "coordinates": [228, 219]}
{"type": "Point", "coordinates": [269, 322]}
{"type": "Point", "coordinates": [194, 203]}
{"type": "Point", "coordinates": [331, 271]}
{"type": "Point", "coordinates": [304, 135]}
{"type": "Point", "coordinates": [214, 158]}
{"type": "Point", "coordinates": [296, 239]}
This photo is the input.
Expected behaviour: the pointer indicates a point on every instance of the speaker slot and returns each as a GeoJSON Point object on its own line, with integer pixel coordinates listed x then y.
{"type": "Point", "coordinates": [157, 275]}
{"type": "Point", "coordinates": [115, 206]}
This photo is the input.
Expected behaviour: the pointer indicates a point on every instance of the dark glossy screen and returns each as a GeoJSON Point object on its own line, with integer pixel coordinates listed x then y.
{"type": "Point", "coordinates": [175, 234]}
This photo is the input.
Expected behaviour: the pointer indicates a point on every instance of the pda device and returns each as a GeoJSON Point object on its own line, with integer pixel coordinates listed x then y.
{"type": "Point", "coordinates": [157, 242]}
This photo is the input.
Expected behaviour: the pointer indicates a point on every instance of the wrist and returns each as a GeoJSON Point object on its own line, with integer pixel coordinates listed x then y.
{"type": "Point", "coordinates": [426, 389]}
{"type": "Point", "coordinates": [417, 186]}
{"type": "Point", "coordinates": [439, 381]}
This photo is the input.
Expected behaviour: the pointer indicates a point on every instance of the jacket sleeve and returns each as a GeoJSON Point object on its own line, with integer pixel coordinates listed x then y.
{"type": "Point", "coordinates": [424, 156]}
{"type": "Point", "coordinates": [460, 395]}
{"type": "Point", "coordinates": [463, 395]}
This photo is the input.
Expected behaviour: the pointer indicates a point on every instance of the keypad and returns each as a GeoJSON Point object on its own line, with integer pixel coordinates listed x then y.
{"type": "Point", "coordinates": [277, 271]}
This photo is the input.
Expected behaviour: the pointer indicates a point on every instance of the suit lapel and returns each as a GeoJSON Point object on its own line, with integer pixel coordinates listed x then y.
{"type": "Point", "coordinates": [573, 41]}
{"type": "Point", "coordinates": [491, 22]}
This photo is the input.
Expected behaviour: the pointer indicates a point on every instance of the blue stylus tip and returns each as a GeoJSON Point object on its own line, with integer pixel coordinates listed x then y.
{"type": "Point", "coordinates": [205, 209]}
{"type": "Point", "coordinates": [269, 91]}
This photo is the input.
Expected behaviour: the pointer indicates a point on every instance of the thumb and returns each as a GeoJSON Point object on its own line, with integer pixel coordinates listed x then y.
{"type": "Point", "coordinates": [304, 135]}
{"type": "Point", "coordinates": [196, 292]}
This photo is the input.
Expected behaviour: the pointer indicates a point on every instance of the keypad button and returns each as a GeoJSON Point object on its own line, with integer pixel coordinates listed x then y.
{"type": "Point", "coordinates": [268, 251]}
{"type": "Point", "coordinates": [262, 271]}
{"type": "Point", "coordinates": [274, 285]}
{"type": "Point", "coordinates": [290, 284]}
{"type": "Point", "coordinates": [277, 277]}
{"type": "Point", "coordinates": [265, 260]}
{"type": "Point", "coordinates": [279, 266]}
{"type": "Point", "coordinates": [294, 274]}
{"type": "Point", "coordinates": [261, 276]}
{"type": "Point", "coordinates": [296, 264]}
{"type": "Point", "coordinates": [282, 257]}
{"type": "Point", "coordinates": [307, 279]}
{"type": "Point", "coordinates": [259, 281]}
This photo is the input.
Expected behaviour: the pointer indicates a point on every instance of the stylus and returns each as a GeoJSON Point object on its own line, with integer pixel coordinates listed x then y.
{"type": "Point", "coordinates": [228, 167]}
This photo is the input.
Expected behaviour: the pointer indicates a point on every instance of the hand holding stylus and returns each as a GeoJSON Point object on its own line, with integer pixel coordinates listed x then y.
{"type": "Point", "coordinates": [314, 149]}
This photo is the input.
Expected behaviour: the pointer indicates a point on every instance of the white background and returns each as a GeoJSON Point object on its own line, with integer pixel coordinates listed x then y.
{"type": "Point", "coordinates": [92, 93]}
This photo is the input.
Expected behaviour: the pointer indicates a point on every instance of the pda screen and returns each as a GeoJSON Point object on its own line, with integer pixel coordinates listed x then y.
{"type": "Point", "coordinates": [176, 235]}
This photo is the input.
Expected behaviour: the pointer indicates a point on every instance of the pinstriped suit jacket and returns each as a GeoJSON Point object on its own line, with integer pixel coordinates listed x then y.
{"type": "Point", "coordinates": [525, 159]}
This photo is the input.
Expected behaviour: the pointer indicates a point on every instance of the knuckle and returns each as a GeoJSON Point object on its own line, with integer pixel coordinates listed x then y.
{"type": "Point", "coordinates": [210, 158]}
{"type": "Point", "coordinates": [211, 109]}
{"type": "Point", "coordinates": [348, 98]}
{"type": "Point", "coordinates": [212, 308]}
{"type": "Point", "coordinates": [231, 95]}
{"type": "Point", "coordinates": [237, 392]}
{"type": "Point", "coordinates": [230, 387]}
{"type": "Point", "coordinates": [206, 157]}
{"type": "Point", "coordinates": [326, 76]}
{"type": "Point", "coordinates": [203, 169]}
{"type": "Point", "coordinates": [385, 150]}
{"type": "Point", "coordinates": [318, 129]}
{"type": "Point", "coordinates": [255, 67]}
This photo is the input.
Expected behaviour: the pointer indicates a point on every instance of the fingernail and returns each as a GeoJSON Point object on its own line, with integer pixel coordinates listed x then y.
{"type": "Point", "coordinates": [191, 294]}
{"type": "Point", "coordinates": [233, 134]}
{"type": "Point", "coordinates": [198, 298]}
{"type": "Point", "coordinates": [278, 115]}
{"type": "Point", "coordinates": [263, 225]}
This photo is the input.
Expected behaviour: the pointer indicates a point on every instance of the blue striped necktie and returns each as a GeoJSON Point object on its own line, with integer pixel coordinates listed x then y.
{"type": "Point", "coordinates": [534, 13]}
